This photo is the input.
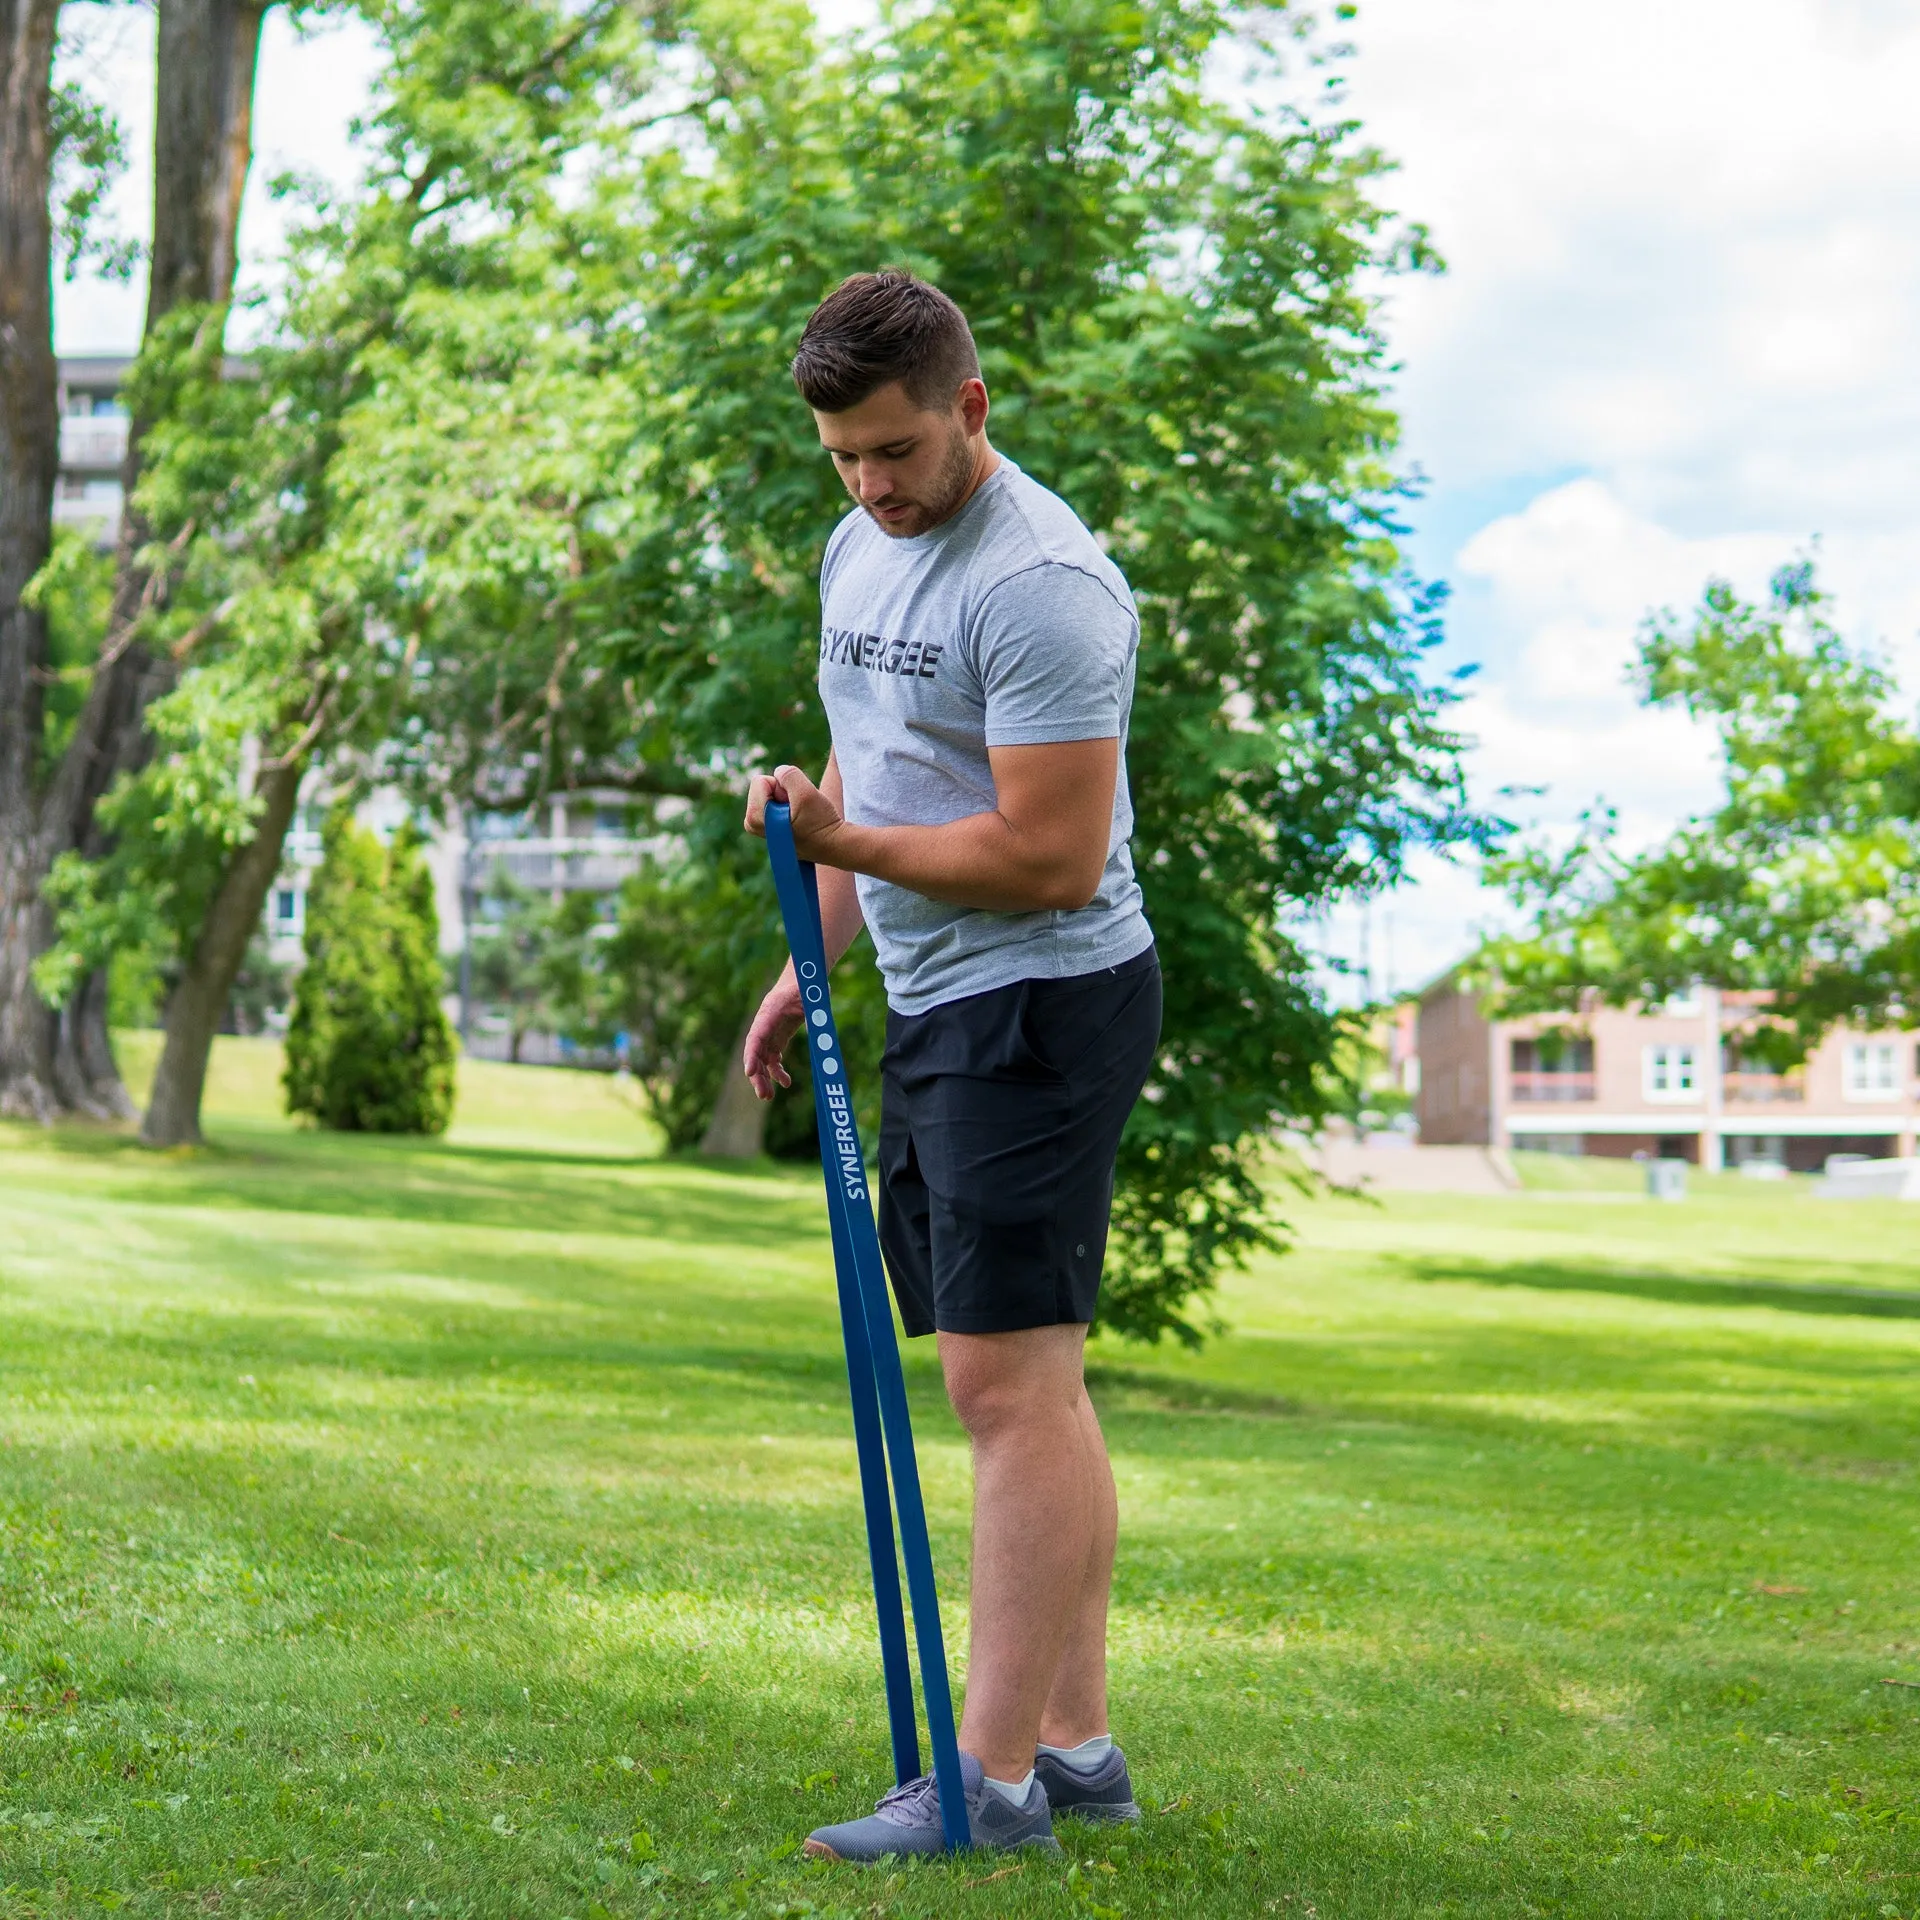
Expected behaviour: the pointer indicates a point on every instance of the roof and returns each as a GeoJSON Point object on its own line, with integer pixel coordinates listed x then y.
{"type": "Point", "coordinates": [95, 369]}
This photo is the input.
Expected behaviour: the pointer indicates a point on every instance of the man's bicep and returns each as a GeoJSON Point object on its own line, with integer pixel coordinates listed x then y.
{"type": "Point", "coordinates": [1062, 785]}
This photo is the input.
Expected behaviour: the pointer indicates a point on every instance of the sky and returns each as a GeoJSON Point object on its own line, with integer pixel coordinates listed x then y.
{"type": "Point", "coordinates": [1674, 340]}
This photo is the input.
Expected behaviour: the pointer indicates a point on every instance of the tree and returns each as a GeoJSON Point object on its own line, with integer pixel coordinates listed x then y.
{"type": "Point", "coordinates": [29, 458]}
{"type": "Point", "coordinates": [263, 495]}
{"type": "Point", "coordinates": [369, 1049]}
{"type": "Point", "coordinates": [1803, 883]}
{"type": "Point", "coordinates": [1168, 291]}
{"type": "Point", "coordinates": [205, 57]}
{"type": "Point", "coordinates": [61, 1058]}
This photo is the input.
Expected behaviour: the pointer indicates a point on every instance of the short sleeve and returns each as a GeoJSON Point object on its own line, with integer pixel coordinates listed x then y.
{"type": "Point", "coordinates": [836, 546]}
{"type": "Point", "coordinates": [1053, 648]}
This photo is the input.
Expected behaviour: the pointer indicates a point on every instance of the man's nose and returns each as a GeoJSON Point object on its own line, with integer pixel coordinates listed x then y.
{"type": "Point", "coordinates": [876, 480]}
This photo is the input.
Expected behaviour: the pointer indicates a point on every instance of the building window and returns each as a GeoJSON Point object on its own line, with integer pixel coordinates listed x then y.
{"type": "Point", "coordinates": [286, 910]}
{"type": "Point", "coordinates": [1670, 1073]}
{"type": "Point", "coordinates": [1553, 1066]}
{"type": "Point", "coordinates": [1870, 1070]}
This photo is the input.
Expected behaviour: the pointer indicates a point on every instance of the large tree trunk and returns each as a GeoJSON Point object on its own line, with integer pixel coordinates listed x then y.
{"type": "Point", "coordinates": [202, 148]}
{"type": "Point", "coordinates": [84, 1073]}
{"type": "Point", "coordinates": [738, 1127]}
{"type": "Point", "coordinates": [193, 1013]}
{"type": "Point", "coordinates": [84, 1070]}
{"type": "Point", "coordinates": [29, 462]}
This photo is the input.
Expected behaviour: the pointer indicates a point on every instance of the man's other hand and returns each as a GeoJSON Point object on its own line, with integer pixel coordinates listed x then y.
{"type": "Point", "coordinates": [779, 1019]}
{"type": "Point", "coordinates": [816, 820]}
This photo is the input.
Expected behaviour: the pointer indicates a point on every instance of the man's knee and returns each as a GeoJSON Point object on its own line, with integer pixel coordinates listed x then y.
{"type": "Point", "coordinates": [1001, 1381]}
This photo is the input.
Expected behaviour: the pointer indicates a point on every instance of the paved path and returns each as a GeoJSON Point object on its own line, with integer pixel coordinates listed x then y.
{"type": "Point", "coordinates": [1399, 1169]}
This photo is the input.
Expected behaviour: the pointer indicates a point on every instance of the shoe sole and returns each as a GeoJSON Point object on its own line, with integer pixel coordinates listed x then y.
{"type": "Point", "coordinates": [819, 1850]}
{"type": "Point", "coordinates": [1101, 1814]}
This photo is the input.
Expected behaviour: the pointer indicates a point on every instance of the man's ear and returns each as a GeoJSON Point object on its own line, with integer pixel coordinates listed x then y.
{"type": "Point", "coordinates": [973, 404]}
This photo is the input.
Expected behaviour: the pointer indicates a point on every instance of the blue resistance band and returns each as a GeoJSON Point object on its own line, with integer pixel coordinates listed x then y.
{"type": "Point", "coordinates": [878, 1387]}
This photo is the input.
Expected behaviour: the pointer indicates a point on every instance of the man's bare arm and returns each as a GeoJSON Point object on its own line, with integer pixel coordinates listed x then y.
{"type": "Point", "coordinates": [780, 1012]}
{"type": "Point", "coordinates": [1043, 845]}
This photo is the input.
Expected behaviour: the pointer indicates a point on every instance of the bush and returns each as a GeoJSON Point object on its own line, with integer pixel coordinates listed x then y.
{"type": "Point", "coordinates": [368, 1048]}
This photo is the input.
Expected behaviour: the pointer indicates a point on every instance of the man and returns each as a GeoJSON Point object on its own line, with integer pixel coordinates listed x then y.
{"type": "Point", "coordinates": [977, 663]}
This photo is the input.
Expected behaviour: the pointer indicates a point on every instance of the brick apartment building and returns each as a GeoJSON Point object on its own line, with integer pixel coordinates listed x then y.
{"type": "Point", "coordinates": [1668, 1081]}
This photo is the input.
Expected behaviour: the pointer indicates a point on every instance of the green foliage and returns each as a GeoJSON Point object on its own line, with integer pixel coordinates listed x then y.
{"type": "Point", "coordinates": [261, 988]}
{"type": "Point", "coordinates": [74, 592]}
{"type": "Point", "coordinates": [172, 828]}
{"type": "Point", "coordinates": [697, 943]}
{"type": "Point", "coordinates": [1803, 883]}
{"type": "Point", "coordinates": [271, 586]}
{"type": "Point", "coordinates": [136, 990]}
{"type": "Point", "coordinates": [368, 1048]}
{"type": "Point", "coordinates": [537, 960]}
{"type": "Point", "coordinates": [89, 153]}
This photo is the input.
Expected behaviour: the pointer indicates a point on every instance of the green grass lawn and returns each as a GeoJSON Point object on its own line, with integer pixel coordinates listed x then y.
{"type": "Point", "coordinates": [471, 1528]}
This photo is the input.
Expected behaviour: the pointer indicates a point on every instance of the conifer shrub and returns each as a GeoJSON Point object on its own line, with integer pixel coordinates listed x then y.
{"type": "Point", "coordinates": [369, 1049]}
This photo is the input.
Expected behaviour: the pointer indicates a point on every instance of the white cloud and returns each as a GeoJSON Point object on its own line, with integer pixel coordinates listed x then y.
{"type": "Point", "coordinates": [1682, 245]}
{"type": "Point", "coordinates": [1675, 340]}
{"type": "Point", "coordinates": [1571, 577]}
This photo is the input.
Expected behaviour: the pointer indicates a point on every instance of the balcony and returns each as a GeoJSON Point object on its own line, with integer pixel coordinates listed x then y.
{"type": "Point", "coordinates": [93, 443]}
{"type": "Point", "coordinates": [597, 864]}
{"type": "Point", "coordinates": [1539, 1087]}
{"type": "Point", "coordinates": [1763, 1089]}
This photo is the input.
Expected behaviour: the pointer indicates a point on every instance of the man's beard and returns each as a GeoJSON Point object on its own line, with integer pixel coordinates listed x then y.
{"type": "Point", "coordinates": [947, 490]}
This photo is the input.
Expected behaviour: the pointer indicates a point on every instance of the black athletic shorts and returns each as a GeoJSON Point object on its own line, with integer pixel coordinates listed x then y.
{"type": "Point", "coordinates": [1000, 1118]}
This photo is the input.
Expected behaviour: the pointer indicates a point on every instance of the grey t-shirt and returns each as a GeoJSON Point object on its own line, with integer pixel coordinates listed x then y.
{"type": "Point", "coordinates": [1004, 626]}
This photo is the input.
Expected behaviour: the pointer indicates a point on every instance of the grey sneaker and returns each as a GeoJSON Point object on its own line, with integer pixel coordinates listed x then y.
{"type": "Point", "coordinates": [907, 1820]}
{"type": "Point", "coordinates": [1104, 1794]}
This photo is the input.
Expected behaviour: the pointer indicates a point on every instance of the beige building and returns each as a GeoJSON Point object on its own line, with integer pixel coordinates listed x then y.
{"type": "Point", "coordinates": [1667, 1081]}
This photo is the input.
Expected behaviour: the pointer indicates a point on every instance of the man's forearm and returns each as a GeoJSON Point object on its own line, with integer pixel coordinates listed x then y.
{"type": "Point", "coordinates": [1043, 845]}
{"type": "Point", "coordinates": [840, 915]}
{"type": "Point", "coordinates": [979, 861]}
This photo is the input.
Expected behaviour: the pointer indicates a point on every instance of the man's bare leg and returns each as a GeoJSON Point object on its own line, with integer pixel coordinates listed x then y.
{"type": "Point", "coordinates": [1076, 1709]}
{"type": "Point", "coordinates": [1036, 1523]}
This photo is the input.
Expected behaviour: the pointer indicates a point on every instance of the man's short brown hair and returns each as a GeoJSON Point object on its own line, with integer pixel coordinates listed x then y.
{"type": "Point", "coordinates": [877, 328]}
